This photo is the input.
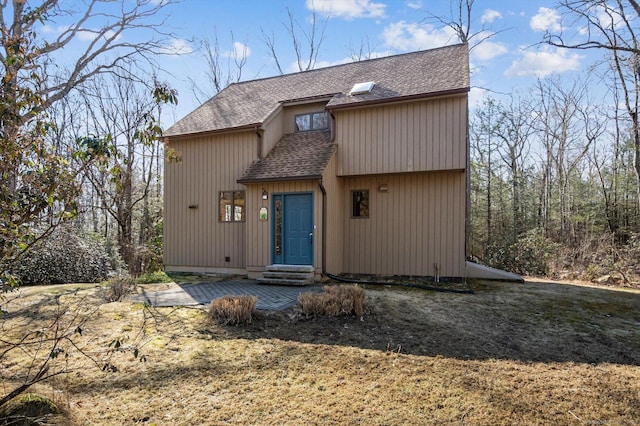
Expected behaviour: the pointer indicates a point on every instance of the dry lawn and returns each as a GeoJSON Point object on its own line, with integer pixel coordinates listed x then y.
{"type": "Point", "coordinates": [535, 353]}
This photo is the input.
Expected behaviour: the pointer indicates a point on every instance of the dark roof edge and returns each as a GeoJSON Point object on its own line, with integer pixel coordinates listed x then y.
{"type": "Point", "coordinates": [206, 132]}
{"type": "Point", "coordinates": [280, 179]}
{"type": "Point", "coordinates": [400, 98]}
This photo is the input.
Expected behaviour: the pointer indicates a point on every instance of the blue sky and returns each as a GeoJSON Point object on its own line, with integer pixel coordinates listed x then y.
{"type": "Point", "coordinates": [507, 62]}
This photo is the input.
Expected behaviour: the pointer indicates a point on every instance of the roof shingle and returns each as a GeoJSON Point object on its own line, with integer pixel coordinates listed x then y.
{"type": "Point", "coordinates": [298, 156]}
{"type": "Point", "coordinates": [249, 103]}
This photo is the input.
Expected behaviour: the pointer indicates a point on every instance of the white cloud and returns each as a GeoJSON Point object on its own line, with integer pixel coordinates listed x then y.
{"type": "Point", "coordinates": [415, 4]}
{"type": "Point", "coordinates": [239, 51]}
{"type": "Point", "coordinates": [348, 9]}
{"type": "Point", "coordinates": [544, 63]}
{"type": "Point", "coordinates": [476, 96]}
{"type": "Point", "coordinates": [177, 46]}
{"type": "Point", "coordinates": [86, 35]}
{"type": "Point", "coordinates": [48, 29]}
{"type": "Point", "coordinates": [489, 16]}
{"type": "Point", "coordinates": [405, 36]}
{"type": "Point", "coordinates": [488, 50]}
{"type": "Point", "coordinates": [546, 20]}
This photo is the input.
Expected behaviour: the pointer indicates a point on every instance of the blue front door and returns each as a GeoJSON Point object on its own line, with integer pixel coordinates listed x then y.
{"type": "Point", "coordinates": [292, 229]}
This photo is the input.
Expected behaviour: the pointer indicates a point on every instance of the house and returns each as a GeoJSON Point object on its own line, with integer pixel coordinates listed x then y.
{"type": "Point", "coordinates": [359, 168]}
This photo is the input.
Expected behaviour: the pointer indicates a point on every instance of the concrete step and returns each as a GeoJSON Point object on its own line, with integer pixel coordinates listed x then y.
{"type": "Point", "coordinates": [283, 281]}
{"type": "Point", "coordinates": [288, 275]}
{"type": "Point", "coordinates": [298, 275]}
{"type": "Point", "coordinates": [290, 268]}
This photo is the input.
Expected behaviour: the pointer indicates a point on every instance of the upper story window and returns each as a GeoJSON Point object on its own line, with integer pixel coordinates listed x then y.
{"type": "Point", "coordinates": [312, 121]}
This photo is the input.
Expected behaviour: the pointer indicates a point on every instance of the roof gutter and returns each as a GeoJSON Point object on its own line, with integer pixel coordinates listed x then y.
{"type": "Point", "coordinates": [399, 99]}
{"type": "Point", "coordinates": [279, 179]}
{"type": "Point", "coordinates": [251, 126]}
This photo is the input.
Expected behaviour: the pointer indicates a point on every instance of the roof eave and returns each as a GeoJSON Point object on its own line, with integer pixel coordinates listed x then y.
{"type": "Point", "coordinates": [251, 126]}
{"type": "Point", "coordinates": [279, 179]}
{"type": "Point", "coordinates": [441, 93]}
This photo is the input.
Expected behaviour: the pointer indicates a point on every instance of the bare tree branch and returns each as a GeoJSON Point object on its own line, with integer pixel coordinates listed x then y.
{"type": "Point", "coordinates": [306, 44]}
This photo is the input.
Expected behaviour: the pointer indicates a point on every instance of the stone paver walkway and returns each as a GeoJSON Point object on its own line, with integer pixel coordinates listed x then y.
{"type": "Point", "coordinates": [270, 297]}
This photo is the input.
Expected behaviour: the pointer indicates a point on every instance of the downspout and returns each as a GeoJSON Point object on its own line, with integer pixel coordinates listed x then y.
{"type": "Point", "coordinates": [324, 226]}
{"type": "Point", "coordinates": [259, 148]}
{"type": "Point", "coordinates": [333, 126]}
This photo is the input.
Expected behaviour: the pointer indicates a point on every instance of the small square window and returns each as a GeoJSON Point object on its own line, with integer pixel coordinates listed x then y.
{"type": "Point", "coordinates": [360, 203]}
{"type": "Point", "coordinates": [231, 206]}
{"type": "Point", "coordinates": [320, 120]}
{"type": "Point", "coordinates": [303, 123]}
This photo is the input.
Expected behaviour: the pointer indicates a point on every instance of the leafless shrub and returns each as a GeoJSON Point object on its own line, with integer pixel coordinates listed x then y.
{"type": "Point", "coordinates": [334, 301]}
{"type": "Point", "coordinates": [118, 288]}
{"type": "Point", "coordinates": [234, 310]}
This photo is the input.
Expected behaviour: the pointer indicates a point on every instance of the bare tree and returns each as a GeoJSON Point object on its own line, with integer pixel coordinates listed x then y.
{"type": "Point", "coordinates": [568, 127]}
{"type": "Point", "coordinates": [108, 50]}
{"type": "Point", "coordinates": [121, 110]}
{"type": "Point", "coordinates": [223, 68]}
{"type": "Point", "coordinates": [611, 26]}
{"type": "Point", "coordinates": [462, 22]}
{"type": "Point", "coordinates": [516, 128]}
{"type": "Point", "coordinates": [306, 44]}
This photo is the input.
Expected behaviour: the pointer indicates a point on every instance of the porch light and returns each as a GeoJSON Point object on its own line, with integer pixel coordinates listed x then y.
{"type": "Point", "coordinates": [265, 195]}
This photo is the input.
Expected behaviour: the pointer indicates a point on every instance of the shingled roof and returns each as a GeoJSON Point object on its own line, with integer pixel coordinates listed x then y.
{"type": "Point", "coordinates": [297, 156]}
{"type": "Point", "coordinates": [249, 103]}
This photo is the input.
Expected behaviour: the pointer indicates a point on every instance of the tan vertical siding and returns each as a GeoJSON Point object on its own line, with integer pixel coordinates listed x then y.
{"type": "Point", "coordinates": [194, 237]}
{"type": "Point", "coordinates": [418, 136]}
{"type": "Point", "coordinates": [418, 222]}
{"type": "Point", "coordinates": [273, 131]}
{"type": "Point", "coordinates": [335, 212]}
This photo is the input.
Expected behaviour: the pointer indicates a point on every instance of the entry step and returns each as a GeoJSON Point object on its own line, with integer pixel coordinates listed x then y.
{"type": "Point", "coordinates": [297, 275]}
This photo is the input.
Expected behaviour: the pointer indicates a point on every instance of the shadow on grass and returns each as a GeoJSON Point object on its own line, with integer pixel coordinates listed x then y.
{"type": "Point", "coordinates": [531, 322]}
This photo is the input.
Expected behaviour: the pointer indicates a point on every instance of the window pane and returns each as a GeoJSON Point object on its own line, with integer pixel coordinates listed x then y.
{"type": "Point", "coordinates": [238, 206]}
{"type": "Point", "coordinates": [360, 203]}
{"type": "Point", "coordinates": [320, 120]}
{"type": "Point", "coordinates": [278, 216]}
{"type": "Point", "coordinates": [224, 214]}
{"type": "Point", "coordinates": [303, 122]}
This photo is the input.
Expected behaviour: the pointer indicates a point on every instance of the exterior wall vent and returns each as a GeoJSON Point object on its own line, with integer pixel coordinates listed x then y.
{"type": "Point", "coordinates": [360, 88]}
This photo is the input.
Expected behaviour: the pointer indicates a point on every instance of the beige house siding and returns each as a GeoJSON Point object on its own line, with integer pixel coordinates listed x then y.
{"type": "Point", "coordinates": [194, 238]}
{"type": "Point", "coordinates": [335, 211]}
{"type": "Point", "coordinates": [423, 135]}
{"type": "Point", "coordinates": [273, 131]}
{"type": "Point", "coordinates": [418, 222]}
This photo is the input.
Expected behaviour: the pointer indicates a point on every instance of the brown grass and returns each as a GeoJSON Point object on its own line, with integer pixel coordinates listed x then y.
{"type": "Point", "coordinates": [534, 354]}
{"type": "Point", "coordinates": [335, 300]}
{"type": "Point", "coordinates": [233, 310]}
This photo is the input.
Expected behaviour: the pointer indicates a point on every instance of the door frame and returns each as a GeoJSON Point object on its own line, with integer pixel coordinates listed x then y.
{"type": "Point", "coordinates": [275, 196]}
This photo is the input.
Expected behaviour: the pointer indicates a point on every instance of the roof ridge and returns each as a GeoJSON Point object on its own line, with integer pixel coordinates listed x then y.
{"type": "Point", "coordinates": [331, 67]}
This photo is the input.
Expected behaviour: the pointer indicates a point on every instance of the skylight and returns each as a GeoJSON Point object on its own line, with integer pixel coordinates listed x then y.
{"type": "Point", "coordinates": [360, 88]}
